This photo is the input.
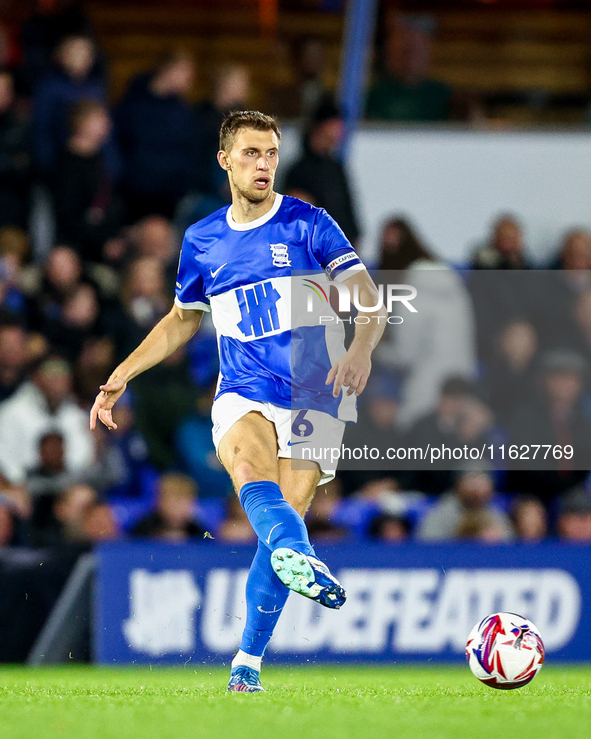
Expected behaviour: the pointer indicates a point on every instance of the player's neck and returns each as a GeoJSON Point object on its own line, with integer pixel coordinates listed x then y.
{"type": "Point", "coordinates": [245, 211]}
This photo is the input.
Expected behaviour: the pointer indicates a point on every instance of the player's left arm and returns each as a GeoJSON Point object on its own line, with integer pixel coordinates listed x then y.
{"type": "Point", "coordinates": [353, 368]}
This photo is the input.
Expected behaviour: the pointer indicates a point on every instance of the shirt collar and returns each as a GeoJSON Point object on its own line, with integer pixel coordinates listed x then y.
{"type": "Point", "coordinates": [256, 223]}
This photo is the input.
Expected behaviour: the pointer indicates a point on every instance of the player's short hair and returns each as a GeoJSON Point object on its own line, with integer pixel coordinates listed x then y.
{"type": "Point", "coordinates": [238, 119]}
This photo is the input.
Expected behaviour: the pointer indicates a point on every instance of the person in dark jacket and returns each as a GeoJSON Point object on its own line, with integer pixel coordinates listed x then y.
{"type": "Point", "coordinates": [71, 81]}
{"type": "Point", "coordinates": [173, 519]}
{"type": "Point", "coordinates": [14, 159]}
{"type": "Point", "coordinates": [157, 134]}
{"type": "Point", "coordinates": [318, 177]}
{"type": "Point", "coordinates": [232, 91]}
{"type": "Point", "coordinates": [557, 417]}
{"type": "Point", "coordinates": [405, 90]}
{"type": "Point", "coordinates": [87, 208]}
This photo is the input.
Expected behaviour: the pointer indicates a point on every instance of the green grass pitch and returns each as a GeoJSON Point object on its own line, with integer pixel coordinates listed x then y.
{"type": "Point", "coordinates": [394, 702]}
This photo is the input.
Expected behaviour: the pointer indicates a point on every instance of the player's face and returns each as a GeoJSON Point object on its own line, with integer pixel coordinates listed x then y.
{"type": "Point", "coordinates": [252, 163]}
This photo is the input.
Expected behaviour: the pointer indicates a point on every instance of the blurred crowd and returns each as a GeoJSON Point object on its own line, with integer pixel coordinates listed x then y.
{"type": "Point", "coordinates": [94, 200]}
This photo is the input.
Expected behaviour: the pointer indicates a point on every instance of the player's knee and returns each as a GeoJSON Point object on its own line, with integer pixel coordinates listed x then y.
{"type": "Point", "coordinates": [247, 470]}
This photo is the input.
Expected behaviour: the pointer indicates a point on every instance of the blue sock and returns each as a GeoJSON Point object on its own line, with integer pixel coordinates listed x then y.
{"type": "Point", "coordinates": [265, 597]}
{"type": "Point", "coordinates": [275, 522]}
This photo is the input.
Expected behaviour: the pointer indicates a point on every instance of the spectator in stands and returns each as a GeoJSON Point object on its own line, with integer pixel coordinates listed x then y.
{"type": "Point", "coordinates": [459, 418]}
{"type": "Point", "coordinates": [88, 211]}
{"type": "Point", "coordinates": [498, 300]}
{"type": "Point", "coordinates": [45, 482]}
{"type": "Point", "coordinates": [95, 361]}
{"type": "Point", "coordinates": [557, 416]}
{"type": "Point", "coordinates": [165, 397]}
{"type": "Point", "coordinates": [389, 528]}
{"type": "Point", "coordinates": [382, 496]}
{"type": "Point", "coordinates": [318, 177]}
{"type": "Point", "coordinates": [174, 517]}
{"type": "Point", "coordinates": [560, 294]}
{"type": "Point", "coordinates": [504, 249]}
{"type": "Point", "coordinates": [14, 245]}
{"type": "Point", "coordinates": [196, 451]}
{"type": "Point", "coordinates": [530, 519]}
{"type": "Point", "coordinates": [400, 246]}
{"type": "Point", "coordinates": [50, 476]}
{"type": "Point", "coordinates": [472, 496]}
{"type": "Point", "coordinates": [231, 91]}
{"type": "Point", "coordinates": [574, 521]}
{"type": "Point", "coordinates": [121, 463]}
{"type": "Point", "coordinates": [481, 526]}
{"type": "Point", "coordinates": [582, 313]}
{"type": "Point", "coordinates": [70, 82]}
{"type": "Point", "coordinates": [575, 253]}
{"type": "Point", "coordinates": [438, 341]}
{"type": "Point", "coordinates": [14, 356]}
{"type": "Point", "coordinates": [44, 29]}
{"type": "Point", "coordinates": [321, 519]}
{"type": "Point", "coordinates": [15, 514]}
{"type": "Point", "coordinates": [98, 524]}
{"type": "Point", "coordinates": [376, 426]}
{"type": "Point", "coordinates": [65, 308]}
{"type": "Point", "coordinates": [404, 90]}
{"type": "Point", "coordinates": [9, 46]}
{"type": "Point", "coordinates": [510, 375]}
{"type": "Point", "coordinates": [300, 98]}
{"type": "Point", "coordinates": [121, 472]}
{"type": "Point", "coordinates": [65, 523]}
{"type": "Point", "coordinates": [78, 321]}
{"type": "Point", "coordinates": [144, 301]}
{"type": "Point", "coordinates": [15, 159]}
{"type": "Point", "coordinates": [49, 288]}
{"type": "Point", "coordinates": [155, 237]}
{"type": "Point", "coordinates": [158, 138]}
{"type": "Point", "coordinates": [6, 524]}
{"type": "Point", "coordinates": [13, 251]}
{"type": "Point", "coordinates": [40, 405]}
{"type": "Point", "coordinates": [236, 528]}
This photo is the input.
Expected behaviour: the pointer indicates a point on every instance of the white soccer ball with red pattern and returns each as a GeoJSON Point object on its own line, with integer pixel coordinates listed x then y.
{"type": "Point", "coordinates": [505, 651]}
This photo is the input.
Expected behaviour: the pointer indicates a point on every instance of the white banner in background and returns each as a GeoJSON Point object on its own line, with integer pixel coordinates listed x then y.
{"type": "Point", "coordinates": [453, 182]}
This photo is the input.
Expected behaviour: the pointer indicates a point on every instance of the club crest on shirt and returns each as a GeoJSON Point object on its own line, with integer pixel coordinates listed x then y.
{"type": "Point", "coordinates": [280, 255]}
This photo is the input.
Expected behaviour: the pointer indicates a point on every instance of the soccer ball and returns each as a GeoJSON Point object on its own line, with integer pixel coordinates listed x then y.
{"type": "Point", "coordinates": [505, 651]}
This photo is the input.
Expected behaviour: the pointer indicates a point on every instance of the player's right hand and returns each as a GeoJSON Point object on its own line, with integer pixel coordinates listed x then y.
{"type": "Point", "coordinates": [109, 394]}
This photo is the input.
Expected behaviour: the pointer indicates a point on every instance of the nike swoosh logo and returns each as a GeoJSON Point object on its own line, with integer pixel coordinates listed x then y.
{"type": "Point", "coordinates": [294, 443]}
{"type": "Point", "coordinates": [215, 274]}
{"type": "Point", "coordinates": [275, 610]}
{"type": "Point", "coordinates": [273, 529]}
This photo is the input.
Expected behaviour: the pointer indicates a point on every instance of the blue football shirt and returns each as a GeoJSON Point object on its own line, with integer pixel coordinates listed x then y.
{"type": "Point", "coordinates": [242, 272]}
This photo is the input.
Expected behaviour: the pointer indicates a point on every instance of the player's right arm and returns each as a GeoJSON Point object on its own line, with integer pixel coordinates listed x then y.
{"type": "Point", "coordinates": [172, 332]}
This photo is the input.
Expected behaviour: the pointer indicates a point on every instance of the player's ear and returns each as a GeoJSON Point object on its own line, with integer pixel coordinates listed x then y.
{"type": "Point", "coordinates": [223, 160]}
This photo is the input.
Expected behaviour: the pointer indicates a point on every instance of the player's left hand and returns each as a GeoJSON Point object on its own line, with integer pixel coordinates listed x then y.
{"type": "Point", "coordinates": [109, 394]}
{"type": "Point", "coordinates": [351, 371]}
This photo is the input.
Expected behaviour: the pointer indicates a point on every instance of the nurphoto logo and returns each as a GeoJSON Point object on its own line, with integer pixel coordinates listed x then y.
{"type": "Point", "coordinates": [388, 297]}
